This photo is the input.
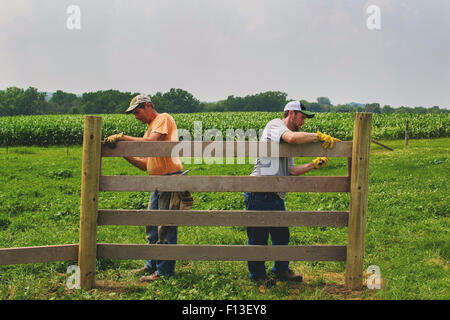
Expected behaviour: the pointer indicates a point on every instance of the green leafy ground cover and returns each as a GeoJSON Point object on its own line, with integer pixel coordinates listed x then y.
{"type": "Point", "coordinates": [65, 130]}
{"type": "Point", "coordinates": [407, 229]}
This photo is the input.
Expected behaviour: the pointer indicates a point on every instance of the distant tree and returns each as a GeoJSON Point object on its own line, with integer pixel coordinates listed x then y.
{"type": "Point", "coordinates": [103, 102]}
{"type": "Point", "coordinates": [343, 108]}
{"type": "Point", "coordinates": [3, 110]}
{"type": "Point", "coordinates": [161, 104]}
{"type": "Point", "coordinates": [372, 107]}
{"type": "Point", "coordinates": [324, 100]}
{"type": "Point", "coordinates": [434, 109]}
{"type": "Point", "coordinates": [181, 101]}
{"type": "Point", "coordinates": [233, 103]}
{"type": "Point", "coordinates": [387, 109]}
{"type": "Point", "coordinates": [267, 101]}
{"type": "Point", "coordinates": [63, 102]}
{"type": "Point", "coordinates": [420, 110]}
{"type": "Point", "coordinates": [403, 109]}
{"type": "Point", "coordinates": [221, 106]}
{"type": "Point", "coordinates": [17, 101]}
{"type": "Point", "coordinates": [325, 107]}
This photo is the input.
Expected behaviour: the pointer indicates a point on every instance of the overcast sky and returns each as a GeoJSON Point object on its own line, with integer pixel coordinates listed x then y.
{"type": "Point", "coordinates": [217, 48]}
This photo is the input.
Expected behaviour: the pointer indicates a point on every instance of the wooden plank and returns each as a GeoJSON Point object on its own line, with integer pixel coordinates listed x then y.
{"type": "Point", "coordinates": [224, 149]}
{"type": "Point", "coordinates": [225, 183]}
{"type": "Point", "coordinates": [89, 200]}
{"type": "Point", "coordinates": [223, 218]}
{"type": "Point", "coordinates": [221, 252]}
{"type": "Point", "coordinates": [38, 254]}
{"type": "Point", "coordinates": [358, 200]}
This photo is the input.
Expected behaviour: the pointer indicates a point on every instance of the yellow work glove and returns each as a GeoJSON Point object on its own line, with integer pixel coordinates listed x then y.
{"type": "Point", "coordinates": [320, 162]}
{"type": "Point", "coordinates": [328, 141]}
{"type": "Point", "coordinates": [111, 141]}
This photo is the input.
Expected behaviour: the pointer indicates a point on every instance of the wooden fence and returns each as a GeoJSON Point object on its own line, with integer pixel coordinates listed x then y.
{"type": "Point", "coordinates": [93, 182]}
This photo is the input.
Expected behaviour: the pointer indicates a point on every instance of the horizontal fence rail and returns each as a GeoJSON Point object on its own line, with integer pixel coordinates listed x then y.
{"type": "Point", "coordinates": [175, 252]}
{"type": "Point", "coordinates": [38, 254]}
{"type": "Point", "coordinates": [223, 218]}
{"type": "Point", "coordinates": [220, 252]}
{"type": "Point", "coordinates": [224, 149]}
{"type": "Point", "coordinates": [225, 183]}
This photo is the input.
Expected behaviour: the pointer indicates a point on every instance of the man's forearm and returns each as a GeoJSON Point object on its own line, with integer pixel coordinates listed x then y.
{"type": "Point", "coordinates": [140, 163]}
{"type": "Point", "coordinates": [134, 139]}
{"type": "Point", "coordinates": [299, 137]}
{"type": "Point", "coordinates": [302, 169]}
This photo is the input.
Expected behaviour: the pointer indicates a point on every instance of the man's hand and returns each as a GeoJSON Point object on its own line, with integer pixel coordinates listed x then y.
{"type": "Point", "coordinates": [111, 141]}
{"type": "Point", "coordinates": [320, 162]}
{"type": "Point", "coordinates": [328, 141]}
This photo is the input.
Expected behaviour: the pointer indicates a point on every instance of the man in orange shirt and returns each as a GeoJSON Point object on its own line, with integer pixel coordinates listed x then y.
{"type": "Point", "coordinates": [161, 127]}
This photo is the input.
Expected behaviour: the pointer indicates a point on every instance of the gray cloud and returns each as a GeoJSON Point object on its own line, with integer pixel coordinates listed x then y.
{"type": "Point", "coordinates": [215, 48]}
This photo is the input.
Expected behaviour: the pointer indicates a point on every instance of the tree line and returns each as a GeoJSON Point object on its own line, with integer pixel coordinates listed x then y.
{"type": "Point", "coordinates": [16, 101]}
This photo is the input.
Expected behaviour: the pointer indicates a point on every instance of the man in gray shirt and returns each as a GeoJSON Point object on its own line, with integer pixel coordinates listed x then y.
{"type": "Point", "coordinates": [280, 130]}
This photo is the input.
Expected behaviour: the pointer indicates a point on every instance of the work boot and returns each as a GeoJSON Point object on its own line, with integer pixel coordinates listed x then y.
{"type": "Point", "coordinates": [142, 270]}
{"type": "Point", "coordinates": [289, 275]}
{"type": "Point", "coordinates": [154, 276]}
{"type": "Point", "coordinates": [266, 281]}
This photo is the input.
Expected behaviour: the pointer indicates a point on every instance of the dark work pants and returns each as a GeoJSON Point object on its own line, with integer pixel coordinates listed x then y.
{"type": "Point", "coordinates": [260, 235]}
{"type": "Point", "coordinates": [161, 201]}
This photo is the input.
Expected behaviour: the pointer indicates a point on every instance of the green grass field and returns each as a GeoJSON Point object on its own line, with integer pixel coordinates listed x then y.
{"type": "Point", "coordinates": [407, 229]}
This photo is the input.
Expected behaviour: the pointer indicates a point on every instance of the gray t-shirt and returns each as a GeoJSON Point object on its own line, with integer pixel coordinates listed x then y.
{"type": "Point", "coordinates": [273, 166]}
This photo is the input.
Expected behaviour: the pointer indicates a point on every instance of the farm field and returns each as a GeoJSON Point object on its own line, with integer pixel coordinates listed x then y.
{"type": "Point", "coordinates": [65, 130]}
{"type": "Point", "coordinates": [407, 235]}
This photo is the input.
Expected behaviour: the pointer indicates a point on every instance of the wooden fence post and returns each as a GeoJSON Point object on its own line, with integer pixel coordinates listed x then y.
{"type": "Point", "coordinates": [358, 200]}
{"type": "Point", "coordinates": [90, 178]}
{"type": "Point", "coordinates": [407, 133]}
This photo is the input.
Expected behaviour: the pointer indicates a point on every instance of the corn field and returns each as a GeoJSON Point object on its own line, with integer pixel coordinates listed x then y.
{"type": "Point", "coordinates": [62, 130]}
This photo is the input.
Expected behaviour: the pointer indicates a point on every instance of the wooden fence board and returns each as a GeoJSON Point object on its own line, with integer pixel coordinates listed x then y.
{"type": "Point", "coordinates": [221, 252]}
{"type": "Point", "coordinates": [223, 218]}
{"type": "Point", "coordinates": [224, 149]}
{"type": "Point", "coordinates": [225, 183]}
{"type": "Point", "coordinates": [38, 254]}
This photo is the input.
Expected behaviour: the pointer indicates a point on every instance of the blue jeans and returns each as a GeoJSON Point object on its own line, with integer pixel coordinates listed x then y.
{"type": "Point", "coordinates": [260, 235]}
{"type": "Point", "coordinates": [161, 200]}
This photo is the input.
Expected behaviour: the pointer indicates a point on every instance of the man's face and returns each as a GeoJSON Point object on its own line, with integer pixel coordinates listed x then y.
{"type": "Point", "coordinates": [141, 115]}
{"type": "Point", "coordinates": [298, 120]}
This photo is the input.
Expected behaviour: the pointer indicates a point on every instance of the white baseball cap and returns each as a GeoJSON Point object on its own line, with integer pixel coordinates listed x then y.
{"type": "Point", "coordinates": [298, 106]}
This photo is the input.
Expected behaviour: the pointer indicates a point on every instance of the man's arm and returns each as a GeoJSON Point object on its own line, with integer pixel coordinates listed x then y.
{"type": "Point", "coordinates": [317, 163]}
{"type": "Point", "coordinates": [301, 169]}
{"type": "Point", "coordinates": [299, 137]}
{"type": "Point", "coordinates": [154, 136]}
{"type": "Point", "coordinates": [141, 163]}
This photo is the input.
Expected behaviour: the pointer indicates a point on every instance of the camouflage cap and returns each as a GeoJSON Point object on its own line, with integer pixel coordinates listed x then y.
{"type": "Point", "coordinates": [141, 98]}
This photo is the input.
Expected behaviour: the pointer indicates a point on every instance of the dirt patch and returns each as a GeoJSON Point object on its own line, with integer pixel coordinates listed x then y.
{"type": "Point", "coordinates": [439, 262]}
{"type": "Point", "coordinates": [336, 289]}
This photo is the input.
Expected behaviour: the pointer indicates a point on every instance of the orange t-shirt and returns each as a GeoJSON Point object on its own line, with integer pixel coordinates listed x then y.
{"type": "Point", "coordinates": [163, 124]}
